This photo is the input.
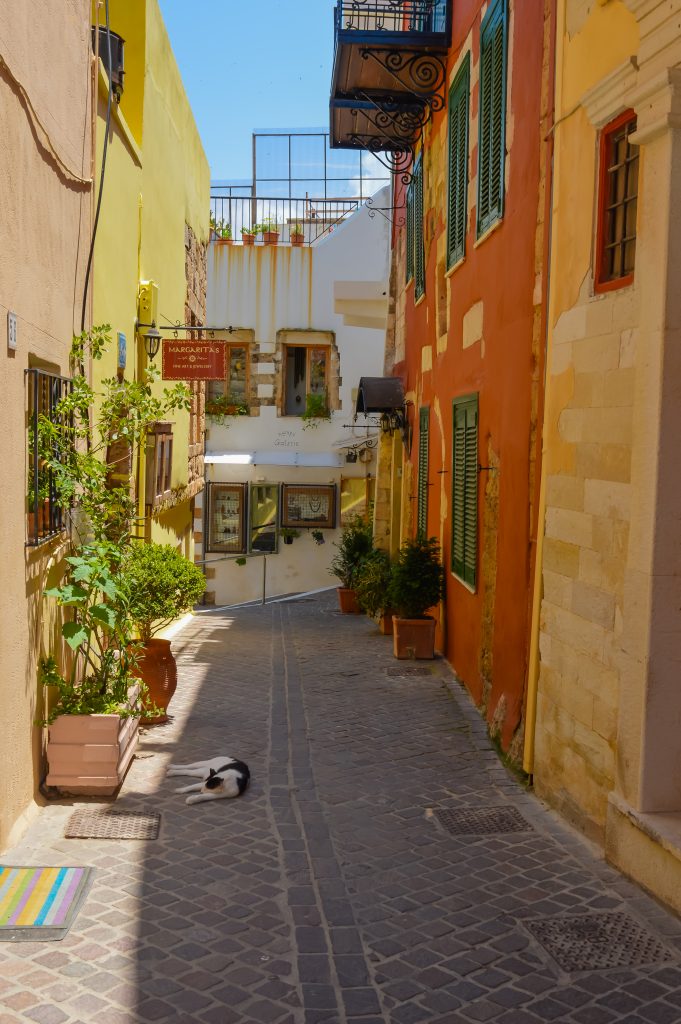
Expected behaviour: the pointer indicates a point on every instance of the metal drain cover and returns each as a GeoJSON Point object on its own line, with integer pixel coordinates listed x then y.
{"type": "Point", "coordinates": [596, 941]}
{"type": "Point", "coordinates": [408, 671]}
{"type": "Point", "coordinates": [482, 821]}
{"type": "Point", "coordinates": [85, 824]}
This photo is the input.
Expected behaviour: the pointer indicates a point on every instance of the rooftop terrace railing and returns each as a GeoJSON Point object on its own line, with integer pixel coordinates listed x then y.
{"type": "Point", "coordinates": [427, 17]}
{"type": "Point", "coordinates": [297, 221]}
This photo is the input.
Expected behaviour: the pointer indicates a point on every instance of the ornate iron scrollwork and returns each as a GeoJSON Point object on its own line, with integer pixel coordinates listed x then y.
{"type": "Point", "coordinates": [393, 214]}
{"type": "Point", "coordinates": [421, 74]}
{"type": "Point", "coordinates": [397, 157]}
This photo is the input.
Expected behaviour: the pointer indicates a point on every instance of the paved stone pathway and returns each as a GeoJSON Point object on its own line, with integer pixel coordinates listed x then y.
{"type": "Point", "coordinates": [331, 893]}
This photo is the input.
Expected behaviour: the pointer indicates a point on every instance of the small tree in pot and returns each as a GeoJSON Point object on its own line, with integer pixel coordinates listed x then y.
{"type": "Point", "coordinates": [354, 547]}
{"type": "Point", "coordinates": [160, 584]}
{"type": "Point", "coordinates": [416, 584]}
{"type": "Point", "coordinates": [373, 584]}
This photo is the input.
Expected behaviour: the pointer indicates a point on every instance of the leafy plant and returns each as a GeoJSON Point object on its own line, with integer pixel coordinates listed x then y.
{"type": "Point", "coordinates": [417, 578]}
{"type": "Point", "coordinates": [250, 231]}
{"type": "Point", "coordinates": [288, 535]}
{"type": "Point", "coordinates": [296, 229]}
{"type": "Point", "coordinates": [373, 582]}
{"type": "Point", "coordinates": [223, 229]}
{"type": "Point", "coordinates": [316, 408]}
{"type": "Point", "coordinates": [159, 584]}
{"type": "Point", "coordinates": [221, 406]}
{"type": "Point", "coordinates": [317, 536]}
{"type": "Point", "coordinates": [240, 561]}
{"type": "Point", "coordinates": [355, 545]}
{"type": "Point", "coordinates": [268, 225]}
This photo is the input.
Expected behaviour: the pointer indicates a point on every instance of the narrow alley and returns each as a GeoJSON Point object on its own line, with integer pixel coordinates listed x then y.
{"type": "Point", "coordinates": [332, 890]}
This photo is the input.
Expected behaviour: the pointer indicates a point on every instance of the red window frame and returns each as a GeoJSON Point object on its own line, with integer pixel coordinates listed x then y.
{"type": "Point", "coordinates": [601, 282]}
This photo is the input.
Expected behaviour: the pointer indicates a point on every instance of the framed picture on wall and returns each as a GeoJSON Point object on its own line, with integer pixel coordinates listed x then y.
{"type": "Point", "coordinates": [309, 505]}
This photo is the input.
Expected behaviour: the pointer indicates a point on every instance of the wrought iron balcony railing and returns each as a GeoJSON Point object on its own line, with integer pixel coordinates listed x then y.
{"type": "Point", "coordinates": [247, 219]}
{"type": "Point", "coordinates": [392, 17]}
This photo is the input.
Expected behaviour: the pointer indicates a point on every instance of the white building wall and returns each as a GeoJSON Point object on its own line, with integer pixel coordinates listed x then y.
{"type": "Point", "coordinates": [268, 290]}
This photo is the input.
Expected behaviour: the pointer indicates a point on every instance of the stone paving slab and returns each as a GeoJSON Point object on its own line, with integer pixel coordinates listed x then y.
{"type": "Point", "coordinates": [330, 893]}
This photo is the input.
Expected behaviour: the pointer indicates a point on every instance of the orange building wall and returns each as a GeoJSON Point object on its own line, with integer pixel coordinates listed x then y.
{"type": "Point", "coordinates": [485, 635]}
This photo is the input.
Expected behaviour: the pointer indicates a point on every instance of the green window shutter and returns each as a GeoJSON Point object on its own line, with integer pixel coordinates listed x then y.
{"type": "Point", "coordinates": [491, 148]}
{"type": "Point", "coordinates": [465, 489]}
{"type": "Point", "coordinates": [422, 510]}
{"type": "Point", "coordinates": [410, 231]}
{"type": "Point", "coordinates": [419, 254]}
{"type": "Point", "coordinates": [458, 165]}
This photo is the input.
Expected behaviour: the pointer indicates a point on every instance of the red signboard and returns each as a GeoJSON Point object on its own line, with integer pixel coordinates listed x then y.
{"type": "Point", "coordinates": [191, 359]}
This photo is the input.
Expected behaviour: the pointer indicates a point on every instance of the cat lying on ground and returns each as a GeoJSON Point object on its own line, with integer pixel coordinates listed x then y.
{"type": "Point", "coordinates": [223, 778]}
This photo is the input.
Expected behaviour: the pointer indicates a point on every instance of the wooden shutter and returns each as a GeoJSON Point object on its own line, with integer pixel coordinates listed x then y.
{"type": "Point", "coordinates": [410, 231]}
{"type": "Point", "coordinates": [465, 489]}
{"type": "Point", "coordinates": [422, 495]}
{"type": "Point", "coordinates": [458, 165]}
{"type": "Point", "coordinates": [419, 254]}
{"type": "Point", "coordinates": [491, 148]}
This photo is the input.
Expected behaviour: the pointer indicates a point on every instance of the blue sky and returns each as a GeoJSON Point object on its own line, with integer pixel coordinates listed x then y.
{"type": "Point", "coordinates": [263, 64]}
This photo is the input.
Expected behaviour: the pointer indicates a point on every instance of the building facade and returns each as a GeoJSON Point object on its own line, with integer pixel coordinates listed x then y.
{"type": "Point", "coordinates": [466, 319]}
{"type": "Point", "coordinates": [46, 212]}
{"type": "Point", "coordinates": [285, 463]}
{"type": "Point", "coordinates": [607, 743]}
{"type": "Point", "coordinates": [150, 256]}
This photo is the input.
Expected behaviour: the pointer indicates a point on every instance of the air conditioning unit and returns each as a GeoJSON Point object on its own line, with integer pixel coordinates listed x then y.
{"type": "Point", "coordinates": [116, 71]}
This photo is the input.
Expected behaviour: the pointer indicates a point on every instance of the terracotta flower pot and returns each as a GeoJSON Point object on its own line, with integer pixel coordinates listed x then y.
{"type": "Point", "coordinates": [347, 599]}
{"type": "Point", "coordinates": [414, 638]}
{"type": "Point", "coordinates": [297, 239]}
{"type": "Point", "coordinates": [385, 623]}
{"type": "Point", "coordinates": [270, 237]}
{"type": "Point", "coordinates": [157, 668]}
{"type": "Point", "coordinates": [248, 239]}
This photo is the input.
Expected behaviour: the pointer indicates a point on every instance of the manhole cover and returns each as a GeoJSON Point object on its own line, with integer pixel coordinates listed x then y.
{"type": "Point", "coordinates": [112, 825]}
{"type": "Point", "coordinates": [482, 821]}
{"type": "Point", "coordinates": [596, 941]}
{"type": "Point", "coordinates": [408, 671]}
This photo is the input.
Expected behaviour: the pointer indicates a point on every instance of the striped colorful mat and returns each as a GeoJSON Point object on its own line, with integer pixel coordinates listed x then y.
{"type": "Point", "coordinates": [39, 902]}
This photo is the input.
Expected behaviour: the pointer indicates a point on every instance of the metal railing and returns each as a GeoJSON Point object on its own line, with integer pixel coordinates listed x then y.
{"type": "Point", "coordinates": [250, 219]}
{"type": "Point", "coordinates": [428, 17]}
{"type": "Point", "coordinates": [44, 516]}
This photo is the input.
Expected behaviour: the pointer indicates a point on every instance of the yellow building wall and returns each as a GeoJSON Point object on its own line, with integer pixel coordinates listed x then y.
{"type": "Point", "coordinates": [587, 441]}
{"type": "Point", "coordinates": [46, 218]}
{"type": "Point", "coordinates": [157, 180]}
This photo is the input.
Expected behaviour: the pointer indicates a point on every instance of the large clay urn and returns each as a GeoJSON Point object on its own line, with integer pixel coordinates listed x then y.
{"type": "Point", "coordinates": [157, 667]}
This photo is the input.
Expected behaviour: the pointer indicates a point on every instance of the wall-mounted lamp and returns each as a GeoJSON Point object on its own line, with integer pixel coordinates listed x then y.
{"type": "Point", "coordinates": [152, 338]}
{"type": "Point", "coordinates": [351, 456]}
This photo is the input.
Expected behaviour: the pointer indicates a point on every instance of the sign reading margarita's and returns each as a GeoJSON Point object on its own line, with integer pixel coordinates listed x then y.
{"type": "Point", "coordinates": [190, 359]}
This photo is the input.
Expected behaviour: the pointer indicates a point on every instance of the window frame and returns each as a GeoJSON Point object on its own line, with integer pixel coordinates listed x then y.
{"type": "Point", "coordinates": [159, 464]}
{"type": "Point", "coordinates": [602, 283]}
{"type": "Point", "coordinates": [459, 93]}
{"type": "Point", "coordinates": [416, 257]}
{"type": "Point", "coordinates": [497, 12]}
{"type": "Point", "coordinates": [466, 569]}
{"type": "Point", "coordinates": [45, 390]}
{"type": "Point", "coordinates": [289, 521]}
{"type": "Point", "coordinates": [276, 487]}
{"type": "Point", "coordinates": [311, 347]}
{"type": "Point", "coordinates": [226, 383]}
{"type": "Point", "coordinates": [213, 488]}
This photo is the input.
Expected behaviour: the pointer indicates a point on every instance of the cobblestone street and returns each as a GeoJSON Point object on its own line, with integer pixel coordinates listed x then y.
{"type": "Point", "coordinates": [332, 891]}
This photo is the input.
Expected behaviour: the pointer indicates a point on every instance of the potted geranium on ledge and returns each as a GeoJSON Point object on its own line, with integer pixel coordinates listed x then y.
{"type": "Point", "coordinates": [416, 585]}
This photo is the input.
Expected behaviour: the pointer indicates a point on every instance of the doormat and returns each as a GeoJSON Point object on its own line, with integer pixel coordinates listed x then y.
{"type": "Point", "coordinates": [592, 942]}
{"type": "Point", "coordinates": [39, 903]}
{"type": "Point", "coordinates": [86, 824]}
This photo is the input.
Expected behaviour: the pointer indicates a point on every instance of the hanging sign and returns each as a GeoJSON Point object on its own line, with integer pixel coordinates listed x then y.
{"type": "Point", "coordinates": [191, 359]}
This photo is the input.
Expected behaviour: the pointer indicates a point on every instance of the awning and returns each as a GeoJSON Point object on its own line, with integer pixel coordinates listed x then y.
{"type": "Point", "coordinates": [280, 457]}
{"type": "Point", "coordinates": [379, 394]}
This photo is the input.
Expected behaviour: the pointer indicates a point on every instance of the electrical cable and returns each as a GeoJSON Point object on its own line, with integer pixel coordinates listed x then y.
{"type": "Point", "coordinates": [101, 177]}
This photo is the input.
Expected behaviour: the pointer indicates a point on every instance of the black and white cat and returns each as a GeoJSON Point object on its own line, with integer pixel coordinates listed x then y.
{"type": "Point", "coordinates": [223, 778]}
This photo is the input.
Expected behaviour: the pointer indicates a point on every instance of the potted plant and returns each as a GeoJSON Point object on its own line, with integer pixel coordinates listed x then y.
{"type": "Point", "coordinates": [219, 407]}
{"type": "Point", "coordinates": [296, 234]}
{"type": "Point", "coordinates": [248, 235]}
{"type": "Point", "coordinates": [270, 231]}
{"type": "Point", "coordinates": [316, 409]}
{"type": "Point", "coordinates": [416, 584]}
{"type": "Point", "coordinates": [317, 536]}
{"type": "Point", "coordinates": [288, 535]}
{"type": "Point", "coordinates": [223, 231]}
{"type": "Point", "coordinates": [372, 587]}
{"type": "Point", "coordinates": [91, 667]}
{"type": "Point", "coordinates": [94, 723]}
{"type": "Point", "coordinates": [354, 546]}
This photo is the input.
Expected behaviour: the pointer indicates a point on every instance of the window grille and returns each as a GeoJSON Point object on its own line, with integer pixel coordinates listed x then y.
{"type": "Point", "coordinates": [465, 489]}
{"type": "Point", "coordinates": [226, 518]}
{"type": "Point", "coordinates": [44, 515]}
{"type": "Point", "coordinates": [422, 493]}
{"type": "Point", "coordinates": [492, 132]}
{"type": "Point", "coordinates": [618, 198]}
{"type": "Point", "coordinates": [458, 165]}
{"type": "Point", "coordinates": [309, 505]}
{"type": "Point", "coordinates": [159, 464]}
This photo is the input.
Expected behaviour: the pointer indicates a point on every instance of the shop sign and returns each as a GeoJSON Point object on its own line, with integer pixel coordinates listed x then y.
{"type": "Point", "coordinates": [191, 359]}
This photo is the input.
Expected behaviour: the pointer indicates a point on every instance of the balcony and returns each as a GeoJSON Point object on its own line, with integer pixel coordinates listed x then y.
{"type": "Point", "coordinates": [389, 72]}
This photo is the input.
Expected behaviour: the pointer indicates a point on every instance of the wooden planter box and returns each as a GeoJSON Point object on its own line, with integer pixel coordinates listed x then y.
{"type": "Point", "coordinates": [90, 754]}
{"type": "Point", "coordinates": [414, 638]}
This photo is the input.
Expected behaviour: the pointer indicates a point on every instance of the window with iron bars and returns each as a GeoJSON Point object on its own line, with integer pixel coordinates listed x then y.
{"type": "Point", "coordinates": [44, 515]}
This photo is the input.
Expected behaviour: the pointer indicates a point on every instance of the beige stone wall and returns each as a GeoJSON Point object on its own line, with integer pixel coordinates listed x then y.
{"type": "Point", "coordinates": [46, 216]}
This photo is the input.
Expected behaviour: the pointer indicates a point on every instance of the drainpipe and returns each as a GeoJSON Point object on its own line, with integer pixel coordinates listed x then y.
{"type": "Point", "coordinates": [537, 589]}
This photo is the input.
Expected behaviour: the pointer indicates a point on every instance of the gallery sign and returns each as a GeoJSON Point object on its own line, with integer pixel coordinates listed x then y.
{"type": "Point", "coordinates": [191, 359]}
